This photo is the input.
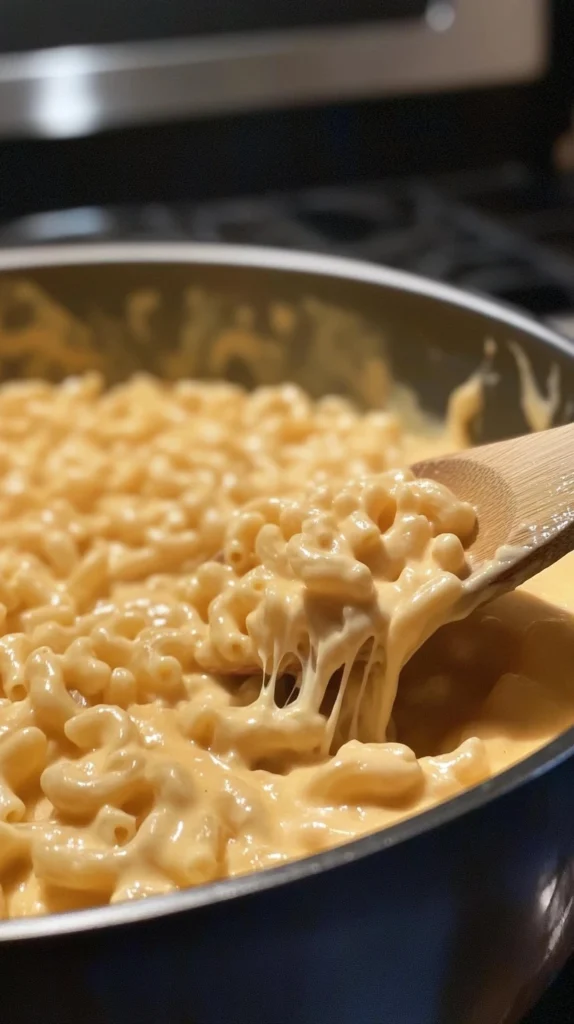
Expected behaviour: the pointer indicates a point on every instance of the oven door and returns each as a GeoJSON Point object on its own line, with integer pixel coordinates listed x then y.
{"type": "Point", "coordinates": [70, 68]}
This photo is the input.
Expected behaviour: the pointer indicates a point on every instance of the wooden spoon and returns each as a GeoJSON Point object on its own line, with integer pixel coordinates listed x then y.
{"type": "Point", "coordinates": [523, 493]}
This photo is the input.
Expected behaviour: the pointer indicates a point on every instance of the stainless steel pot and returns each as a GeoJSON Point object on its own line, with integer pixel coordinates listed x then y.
{"type": "Point", "coordinates": [457, 916]}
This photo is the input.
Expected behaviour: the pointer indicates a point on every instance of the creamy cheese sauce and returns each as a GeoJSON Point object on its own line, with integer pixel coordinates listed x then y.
{"type": "Point", "coordinates": [210, 604]}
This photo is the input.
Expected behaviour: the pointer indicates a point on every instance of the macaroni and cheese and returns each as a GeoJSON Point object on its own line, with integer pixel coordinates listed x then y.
{"type": "Point", "coordinates": [206, 600]}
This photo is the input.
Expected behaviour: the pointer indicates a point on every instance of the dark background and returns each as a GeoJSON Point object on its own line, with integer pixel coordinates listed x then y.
{"type": "Point", "coordinates": [31, 24]}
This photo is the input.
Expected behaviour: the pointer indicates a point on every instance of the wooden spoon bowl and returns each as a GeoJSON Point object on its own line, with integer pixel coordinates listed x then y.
{"type": "Point", "coordinates": [523, 493]}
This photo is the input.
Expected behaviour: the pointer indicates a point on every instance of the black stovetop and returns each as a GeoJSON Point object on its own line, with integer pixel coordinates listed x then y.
{"type": "Point", "coordinates": [509, 233]}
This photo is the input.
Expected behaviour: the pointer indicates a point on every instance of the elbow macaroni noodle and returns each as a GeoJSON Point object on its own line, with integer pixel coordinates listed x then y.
{"type": "Point", "coordinates": [207, 597]}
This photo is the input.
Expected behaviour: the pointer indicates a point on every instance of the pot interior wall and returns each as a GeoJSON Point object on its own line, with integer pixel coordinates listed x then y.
{"type": "Point", "coordinates": [263, 326]}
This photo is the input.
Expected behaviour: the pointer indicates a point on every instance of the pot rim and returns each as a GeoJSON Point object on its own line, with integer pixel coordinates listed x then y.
{"type": "Point", "coordinates": [270, 258]}
{"type": "Point", "coordinates": [538, 763]}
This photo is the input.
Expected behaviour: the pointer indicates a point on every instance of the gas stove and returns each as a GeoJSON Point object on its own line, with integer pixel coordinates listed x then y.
{"type": "Point", "coordinates": [508, 233]}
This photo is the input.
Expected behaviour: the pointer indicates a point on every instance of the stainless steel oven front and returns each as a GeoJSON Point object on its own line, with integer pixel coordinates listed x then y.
{"type": "Point", "coordinates": [212, 58]}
